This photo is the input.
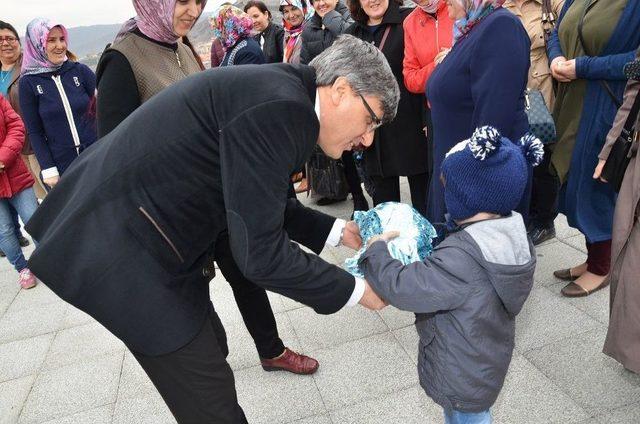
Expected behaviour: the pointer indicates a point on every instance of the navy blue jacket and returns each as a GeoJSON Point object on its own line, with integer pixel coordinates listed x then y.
{"type": "Point", "coordinates": [482, 81]}
{"type": "Point", "coordinates": [59, 135]}
{"type": "Point", "coordinates": [244, 52]}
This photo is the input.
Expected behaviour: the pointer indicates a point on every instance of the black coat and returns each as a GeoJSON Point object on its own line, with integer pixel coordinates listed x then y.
{"type": "Point", "coordinates": [399, 147]}
{"type": "Point", "coordinates": [320, 33]}
{"type": "Point", "coordinates": [273, 46]}
{"type": "Point", "coordinates": [126, 233]}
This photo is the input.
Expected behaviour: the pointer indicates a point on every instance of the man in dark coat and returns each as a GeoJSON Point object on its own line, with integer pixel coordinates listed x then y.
{"type": "Point", "coordinates": [199, 173]}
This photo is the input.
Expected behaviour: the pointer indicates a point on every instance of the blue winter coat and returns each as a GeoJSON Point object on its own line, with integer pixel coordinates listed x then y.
{"type": "Point", "coordinates": [245, 52]}
{"type": "Point", "coordinates": [482, 81]}
{"type": "Point", "coordinates": [589, 204]}
{"type": "Point", "coordinates": [55, 108]}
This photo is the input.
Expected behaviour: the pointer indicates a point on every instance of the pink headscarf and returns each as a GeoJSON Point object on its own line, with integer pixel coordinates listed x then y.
{"type": "Point", "coordinates": [154, 19]}
{"type": "Point", "coordinates": [34, 56]}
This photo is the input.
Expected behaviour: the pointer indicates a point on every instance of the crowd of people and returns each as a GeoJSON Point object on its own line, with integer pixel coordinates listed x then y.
{"type": "Point", "coordinates": [462, 70]}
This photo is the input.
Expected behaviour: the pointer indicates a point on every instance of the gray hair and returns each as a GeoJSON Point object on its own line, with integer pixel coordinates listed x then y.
{"type": "Point", "coordinates": [365, 68]}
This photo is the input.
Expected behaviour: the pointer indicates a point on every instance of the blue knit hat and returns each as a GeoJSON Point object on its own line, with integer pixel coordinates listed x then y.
{"type": "Point", "coordinates": [488, 173]}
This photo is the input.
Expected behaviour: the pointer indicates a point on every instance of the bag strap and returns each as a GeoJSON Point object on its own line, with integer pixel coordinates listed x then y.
{"type": "Point", "coordinates": [384, 37]}
{"type": "Point", "coordinates": [548, 20]}
{"type": "Point", "coordinates": [587, 5]}
{"type": "Point", "coordinates": [629, 125]}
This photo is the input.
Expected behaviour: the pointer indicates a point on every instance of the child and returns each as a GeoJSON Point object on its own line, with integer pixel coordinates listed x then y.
{"type": "Point", "coordinates": [467, 294]}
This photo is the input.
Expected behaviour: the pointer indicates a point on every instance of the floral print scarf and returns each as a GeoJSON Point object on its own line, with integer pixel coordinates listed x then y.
{"type": "Point", "coordinates": [231, 25]}
{"type": "Point", "coordinates": [476, 10]}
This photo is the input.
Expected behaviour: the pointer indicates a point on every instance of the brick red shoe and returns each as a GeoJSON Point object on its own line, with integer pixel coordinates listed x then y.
{"type": "Point", "coordinates": [291, 361]}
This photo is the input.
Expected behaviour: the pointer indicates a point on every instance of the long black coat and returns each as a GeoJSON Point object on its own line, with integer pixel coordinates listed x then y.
{"type": "Point", "coordinates": [320, 33]}
{"type": "Point", "coordinates": [126, 233]}
{"type": "Point", "coordinates": [399, 147]}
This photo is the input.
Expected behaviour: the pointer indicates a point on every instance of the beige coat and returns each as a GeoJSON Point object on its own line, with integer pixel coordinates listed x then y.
{"type": "Point", "coordinates": [623, 337]}
{"type": "Point", "coordinates": [530, 13]}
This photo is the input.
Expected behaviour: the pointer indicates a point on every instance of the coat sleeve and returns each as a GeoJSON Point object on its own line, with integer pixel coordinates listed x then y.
{"type": "Point", "coordinates": [304, 52]}
{"type": "Point", "coordinates": [415, 74]}
{"type": "Point", "coordinates": [33, 123]}
{"type": "Point", "coordinates": [11, 146]}
{"type": "Point", "coordinates": [280, 43]}
{"type": "Point", "coordinates": [603, 67]}
{"type": "Point", "coordinates": [336, 23]}
{"type": "Point", "coordinates": [630, 94]}
{"type": "Point", "coordinates": [256, 161]}
{"type": "Point", "coordinates": [118, 94]}
{"type": "Point", "coordinates": [499, 73]}
{"type": "Point", "coordinates": [553, 45]}
{"type": "Point", "coordinates": [307, 226]}
{"type": "Point", "coordinates": [421, 287]}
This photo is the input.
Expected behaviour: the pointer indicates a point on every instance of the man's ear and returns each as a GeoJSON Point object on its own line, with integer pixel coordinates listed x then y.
{"type": "Point", "coordinates": [339, 89]}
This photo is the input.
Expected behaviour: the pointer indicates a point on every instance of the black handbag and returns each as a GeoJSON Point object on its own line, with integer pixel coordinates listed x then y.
{"type": "Point", "coordinates": [621, 153]}
{"type": "Point", "coordinates": [632, 70]}
{"type": "Point", "coordinates": [541, 122]}
{"type": "Point", "coordinates": [326, 176]}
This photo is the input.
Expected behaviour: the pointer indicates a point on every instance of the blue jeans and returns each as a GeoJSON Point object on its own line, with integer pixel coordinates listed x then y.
{"type": "Point", "coordinates": [25, 204]}
{"type": "Point", "coordinates": [458, 417]}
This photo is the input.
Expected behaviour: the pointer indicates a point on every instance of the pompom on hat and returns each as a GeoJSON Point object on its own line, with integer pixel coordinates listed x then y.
{"type": "Point", "coordinates": [488, 173]}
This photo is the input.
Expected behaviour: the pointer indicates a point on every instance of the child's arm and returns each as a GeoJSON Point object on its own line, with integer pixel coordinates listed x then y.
{"type": "Point", "coordinates": [422, 287]}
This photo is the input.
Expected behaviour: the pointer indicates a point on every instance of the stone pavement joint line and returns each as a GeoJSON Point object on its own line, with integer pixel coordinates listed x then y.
{"type": "Point", "coordinates": [57, 365]}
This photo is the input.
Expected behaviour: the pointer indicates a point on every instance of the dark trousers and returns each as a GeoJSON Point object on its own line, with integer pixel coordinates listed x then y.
{"type": "Point", "coordinates": [351, 174]}
{"type": "Point", "coordinates": [543, 208]}
{"type": "Point", "coordinates": [599, 257]}
{"type": "Point", "coordinates": [252, 301]}
{"type": "Point", "coordinates": [387, 189]}
{"type": "Point", "coordinates": [196, 382]}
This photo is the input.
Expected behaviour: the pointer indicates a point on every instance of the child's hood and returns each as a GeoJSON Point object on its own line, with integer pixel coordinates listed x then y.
{"type": "Point", "coordinates": [508, 256]}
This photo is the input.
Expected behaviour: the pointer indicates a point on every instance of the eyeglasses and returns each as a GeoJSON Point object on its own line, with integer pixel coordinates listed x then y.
{"type": "Point", "coordinates": [9, 39]}
{"type": "Point", "coordinates": [375, 121]}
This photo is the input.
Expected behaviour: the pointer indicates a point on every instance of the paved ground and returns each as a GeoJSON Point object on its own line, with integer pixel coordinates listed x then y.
{"type": "Point", "coordinates": [57, 365]}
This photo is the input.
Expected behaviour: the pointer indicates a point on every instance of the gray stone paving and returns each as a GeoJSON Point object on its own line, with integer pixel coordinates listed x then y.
{"type": "Point", "coordinates": [57, 365]}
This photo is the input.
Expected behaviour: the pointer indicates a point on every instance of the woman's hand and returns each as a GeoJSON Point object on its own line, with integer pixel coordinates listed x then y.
{"type": "Point", "coordinates": [568, 69]}
{"type": "Point", "coordinates": [440, 56]}
{"type": "Point", "coordinates": [557, 65]}
{"type": "Point", "coordinates": [388, 236]}
{"type": "Point", "coordinates": [598, 172]}
{"type": "Point", "coordinates": [51, 181]}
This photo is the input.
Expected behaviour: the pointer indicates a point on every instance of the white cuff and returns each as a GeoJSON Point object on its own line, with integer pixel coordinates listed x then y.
{"type": "Point", "coordinates": [50, 172]}
{"type": "Point", "coordinates": [358, 292]}
{"type": "Point", "coordinates": [335, 236]}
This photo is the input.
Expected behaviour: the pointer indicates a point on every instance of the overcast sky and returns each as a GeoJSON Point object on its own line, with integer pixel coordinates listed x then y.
{"type": "Point", "coordinates": [71, 13]}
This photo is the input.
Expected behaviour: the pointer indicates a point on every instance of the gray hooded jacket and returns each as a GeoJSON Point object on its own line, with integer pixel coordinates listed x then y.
{"type": "Point", "coordinates": [466, 296]}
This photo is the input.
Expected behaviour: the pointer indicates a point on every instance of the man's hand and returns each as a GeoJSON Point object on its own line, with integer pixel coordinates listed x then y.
{"type": "Point", "coordinates": [388, 236]}
{"type": "Point", "coordinates": [371, 300]}
{"type": "Point", "coordinates": [351, 236]}
{"type": "Point", "coordinates": [52, 181]}
{"type": "Point", "coordinates": [440, 56]}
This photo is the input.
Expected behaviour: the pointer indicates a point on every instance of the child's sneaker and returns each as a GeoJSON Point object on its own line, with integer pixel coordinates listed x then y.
{"type": "Point", "coordinates": [27, 279]}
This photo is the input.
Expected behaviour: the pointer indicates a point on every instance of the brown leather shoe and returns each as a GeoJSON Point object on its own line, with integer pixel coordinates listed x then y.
{"type": "Point", "coordinates": [564, 274]}
{"type": "Point", "coordinates": [292, 362]}
{"type": "Point", "coordinates": [576, 290]}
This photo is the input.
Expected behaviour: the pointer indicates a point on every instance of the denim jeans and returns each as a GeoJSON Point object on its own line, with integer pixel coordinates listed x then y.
{"type": "Point", "coordinates": [458, 417]}
{"type": "Point", "coordinates": [25, 204]}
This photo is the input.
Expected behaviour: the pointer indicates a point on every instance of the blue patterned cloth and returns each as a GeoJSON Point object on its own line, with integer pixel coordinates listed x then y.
{"type": "Point", "coordinates": [414, 242]}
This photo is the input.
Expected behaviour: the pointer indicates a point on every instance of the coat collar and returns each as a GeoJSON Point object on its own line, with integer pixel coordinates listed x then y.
{"type": "Point", "coordinates": [392, 15]}
{"type": "Point", "coordinates": [15, 72]}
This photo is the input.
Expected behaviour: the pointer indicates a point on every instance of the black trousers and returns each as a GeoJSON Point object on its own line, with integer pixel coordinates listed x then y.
{"type": "Point", "coordinates": [543, 208]}
{"type": "Point", "coordinates": [351, 174]}
{"type": "Point", "coordinates": [252, 301]}
{"type": "Point", "coordinates": [387, 189]}
{"type": "Point", "coordinates": [196, 382]}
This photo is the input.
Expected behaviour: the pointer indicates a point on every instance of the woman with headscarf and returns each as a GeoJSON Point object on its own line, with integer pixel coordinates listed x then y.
{"type": "Point", "coordinates": [295, 15]}
{"type": "Point", "coordinates": [56, 94]}
{"type": "Point", "coordinates": [234, 29]}
{"type": "Point", "coordinates": [269, 35]}
{"type": "Point", "coordinates": [149, 55]}
{"type": "Point", "coordinates": [399, 147]}
{"type": "Point", "coordinates": [481, 81]}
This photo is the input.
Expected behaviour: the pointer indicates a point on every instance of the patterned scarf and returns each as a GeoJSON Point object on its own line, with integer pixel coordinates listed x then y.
{"type": "Point", "coordinates": [476, 10]}
{"type": "Point", "coordinates": [292, 34]}
{"type": "Point", "coordinates": [35, 60]}
{"type": "Point", "coordinates": [231, 25]}
{"type": "Point", "coordinates": [154, 19]}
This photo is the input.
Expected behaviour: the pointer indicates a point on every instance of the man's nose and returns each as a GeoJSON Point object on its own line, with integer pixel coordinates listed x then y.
{"type": "Point", "coordinates": [367, 138]}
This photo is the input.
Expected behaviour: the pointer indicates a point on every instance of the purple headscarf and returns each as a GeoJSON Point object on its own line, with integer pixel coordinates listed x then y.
{"type": "Point", "coordinates": [154, 19]}
{"type": "Point", "coordinates": [34, 56]}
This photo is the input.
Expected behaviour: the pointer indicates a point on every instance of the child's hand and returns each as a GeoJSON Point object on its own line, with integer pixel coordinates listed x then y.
{"type": "Point", "coordinates": [388, 236]}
